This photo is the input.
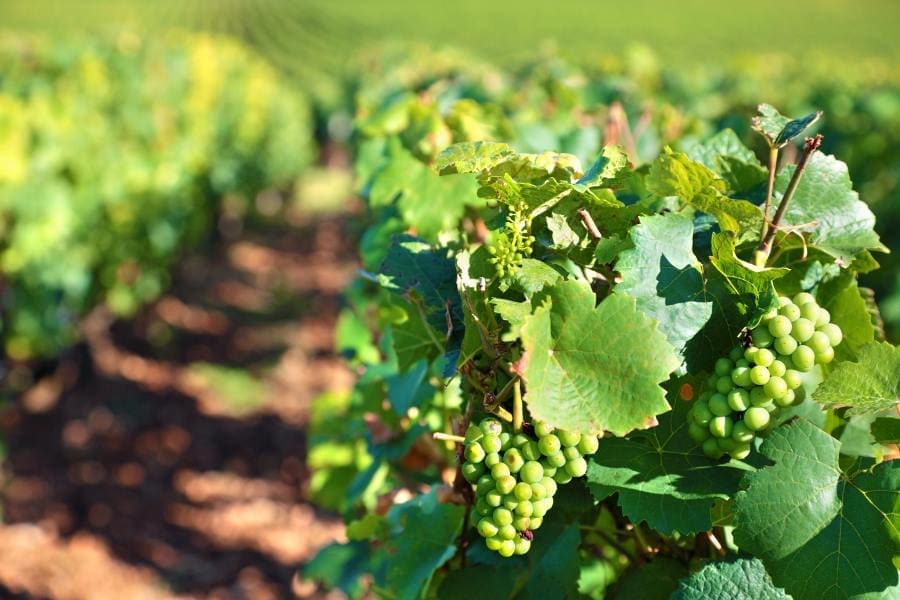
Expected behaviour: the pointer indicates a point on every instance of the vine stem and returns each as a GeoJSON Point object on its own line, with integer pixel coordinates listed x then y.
{"type": "Point", "coordinates": [517, 406]}
{"type": "Point", "coordinates": [589, 224]}
{"type": "Point", "coordinates": [449, 437]}
{"type": "Point", "coordinates": [773, 167]}
{"type": "Point", "coordinates": [765, 246]}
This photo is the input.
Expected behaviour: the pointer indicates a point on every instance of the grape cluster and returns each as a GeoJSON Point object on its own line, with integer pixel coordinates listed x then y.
{"type": "Point", "coordinates": [515, 478]}
{"type": "Point", "coordinates": [514, 244]}
{"type": "Point", "coordinates": [751, 384]}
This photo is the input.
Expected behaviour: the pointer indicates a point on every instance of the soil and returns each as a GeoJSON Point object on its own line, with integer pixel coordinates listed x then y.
{"type": "Point", "coordinates": [132, 472]}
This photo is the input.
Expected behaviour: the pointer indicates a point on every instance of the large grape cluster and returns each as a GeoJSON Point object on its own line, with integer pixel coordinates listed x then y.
{"type": "Point", "coordinates": [752, 383]}
{"type": "Point", "coordinates": [516, 476]}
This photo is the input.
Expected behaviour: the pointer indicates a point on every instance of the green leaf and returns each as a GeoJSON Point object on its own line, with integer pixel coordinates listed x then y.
{"type": "Point", "coordinates": [663, 275]}
{"type": "Point", "coordinates": [563, 236]}
{"type": "Point", "coordinates": [611, 164]}
{"type": "Point", "coordinates": [480, 581]}
{"type": "Point", "coordinates": [472, 157]}
{"type": "Point", "coordinates": [661, 475]}
{"type": "Point", "coordinates": [778, 129]}
{"type": "Point", "coordinates": [850, 312]}
{"type": "Point", "coordinates": [422, 538]}
{"type": "Point", "coordinates": [340, 566]}
{"type": "Point", "coordinates": [410, 388]}
{"type": "Point", "coordinates": [821, 532]}
{"type": "Point", "coordinates": [533, 275]}
{"type": "Point", "coordinates": [739, 579]}
{"type": "Point", "coordinates": [839, 223]}
{"type": "Point", "coordinates": [514, 313]}
{"type": "Point", "coordinates": [655, 580]}
{"type": "Point", "coordinates": [886, 430]}
{"type": "Point", "coordinates": [414, 339]}
{"type": "Point", "coordinates": [734, 162]}
{"type": "Point", "coordinates": [785, 505]}
{"type": "Point", "coordinates": [868, 386]}
{"type": "Point", "coordinates": [592, 368]}
{"type": "Point", "coordinates": [742, 277]}
{"type": "Point", "coordinates": [554, 564]}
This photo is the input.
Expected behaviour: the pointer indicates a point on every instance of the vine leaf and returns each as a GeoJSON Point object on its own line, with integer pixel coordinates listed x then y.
{"type": "Point", "coordinates": [821, 532]}
{"type": "Point", "coordinates": [661, 475]}
{"type": "Point", "coordinates": [742, 578]}
{"type": "Point", "coordinates": [606, 170]}
{"type": "Point", "coordinates": [663, 275]}
{"type": "Point", "coordinates": [839, 223]}
{"type": "Point", "coordinates": [778, 129]}
{"type": "Point", "coordinates": [590, 368]}
{"type": "Point", "coordinates": [742, 277]}
{"type": "Point", "coordinates": [849, 311]}
{"type": "Point", "coordinates": [655, 580]}
{"type": "Point", "coordinates": [734, 162]}
{"type": "Point", "coordinates": [868, 386]}
{"type": "Point", "coordinates": [472, 157]}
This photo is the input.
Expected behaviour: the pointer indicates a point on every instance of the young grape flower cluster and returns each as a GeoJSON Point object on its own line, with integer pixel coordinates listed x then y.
{"type": "Point", "coordinates": [515, 478]}
{"type": "Point", "coordinates": [750, 385]}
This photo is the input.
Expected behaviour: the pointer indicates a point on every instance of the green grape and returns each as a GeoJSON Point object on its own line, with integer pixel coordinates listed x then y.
{"type": "Point", "coordinates": [782, 301]}
{"type": "Point", "coordinates": [726, 444]}
{"type": "Point", "coordinates": [474, 453]}
{"type": "Point", "coordinates": [804, 358]}
{"type": "Point", "coordinates": [818, 342]}
{"type": "Point", "coordinates": [792, 379]}
{"type": "Point", "coordinates": [510, 502]}
{"type": "Point", "coordinates": [723, 366]}
{"type": "Point", "coordinates": [513, 459]}
{"type": "Point", "coordinates": [562, 476]}
{"type": "Point", "coordinates": [487, 528]}
{"type": "Point", "coordinates": [743, 362]}
{"type": "Point", "coordinates": [750, 354]}
{"type": "Point", "coordinates": [472, 471]}
{"type": "Point", "coordinates": [810, 311]}
{"type": "Point", "coordinates": [519, 440]}
{"type": "Point", "coordinates": [491, 443]}
{"type": "Point", "coordinates": [698, 433]}
{"type": "Point", "coordinates": [531, 451]}
{"type": "Point", "coordinates": [711, 448]}
{"type": "Point", "coordinates": [491, 459]}
{"type": "Point", "coordinates": [740, 376]}
{"type": "Point", "coordinates": [473, 433]}
{"type": "Point", "coordinates": [493, 498]}
{"type": "Point", "coordinates": [711, 382]}
{"type": "Point", "coordinates": [764, 357]}
{"type": "Point", "coordinates": [720, 427]}
{"type": "Point", "coordinates": [507, 548]}
{"type": "Point", "coordinates": [826, 356]}
{"type": "Point", "coordinates": [780, 326]}
{"type": "Point", "coordinates": [804, 298]}
{"type": "Point", "coordinates": [482, 507]}
{"type": "Point", "coordinates": [735, 354]}
{"type": "Point", "coordinates": [791, 311]}
{"type": "Point", "coordinates": [502, 516]}
{"type": "Point", "coordinates": [531, 472]}
{"type": "Point", "coordinates": [522, 523]}
{"type": "Point", "coordinates": [775, 387]}
{"type": "Point", "coordinates": [823, 319]}
{"type": "Point", "coordinates": [485, 484]}
{"type": "Point", "coordinates": [505, 441]}
{"type": "Point", "coordinates": [577, 467]}
{"type": "Point", "coordinates": [549, 444]}
{"type": "Point", "coordinates": [756, 418]}
{"type": "Point", "coordinates": [777, 369]}
{"type": "Point", "coordinates": [538, 491]}
{"type": "Point", "coordinates": [536, 522]}
{"type": "Point", "coordinates": [834, 333]}
{"type": "Point", "coordinates": [571, 453]}
{"type": "Point", "coordinates": [588, 444]}
{"type": "Point", "coordinates": [549, 471]}
{"type": "Point", "coordinates": [522, 491]}
{"type": "Point", "coordinates": [758, 396]}
{"type": "Point", "coordinates": [499, 471]}
{"type": "Point", "coordinates": [741, 433]}
{"type": "Point", "coordinates": [761, 337]}
{"type": "Point", "coordinates": [525, 508]}
{"type": "Point", "coordinates": [739, 399]}
{"type": "Point", "coordinates": [542, 429]}
{"type": "Point", "coordinates": [700, 413]}
{"type": "Point", "coordinates": [787, 399]}
{"type": "Point", "coordinates": [507, 532]}
{"type": "Point", "coordinates": [522, 546]}
{"type": "Point", "coordinates": [803, 330]}
{"type": "Point", "coordinates": [556, 460]}
{"type": "Point", "coordinates": [550, 485]}
{"type": "Point", "coordinates": [740, 451]}
{"type": "Point", "coordinates": [718, 405]}
{"type": "Point", "coordinates": [491, 427]}
{"type": "Point", "coordinates": [785, 345]}
{"type": "Point", "coordinates": [759, 375]}
{"type": "Point", "coordinates": [506, 485]}
{"type": "Point", "coordinates": [568, 439]}
{"type": "Point", "coordinates": [494, 543]}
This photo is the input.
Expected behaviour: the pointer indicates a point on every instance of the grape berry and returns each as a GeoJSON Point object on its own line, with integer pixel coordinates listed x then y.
{"type": "Point", "coordinates": [516, 477]}
{"type": "Point", "coordinates": [749, 385]}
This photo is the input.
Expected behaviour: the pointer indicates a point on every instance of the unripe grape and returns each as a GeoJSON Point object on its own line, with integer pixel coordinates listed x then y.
{"type": "Point", "coordinates": [485, 484]}
{"type": "Point", "coordinates": [571, 453]}
{"type": "Point", "coordinates": [787, 399]}
{"type": "Point", "coordinates": [491, 443]}
{"type": "Point", "coordinates": [525, 508]}
{"type": "Point", "coordinates": [491, 459]}
{"type": "Point", "coordinates": [775, 387]}
{"type": "Point", "coordinates": [759, 375]}
{"type": "Point", "coordinates": [780, 326]}
{"type": "Point", "coordinates": [756, 418]}
{"type": "Point", "coordinates": [493, 498]}
{"type": "Point", "coordinates": [741, 433]}
{"type": "Point", "coordinates": [522, 523]}
{"type": "Point", "coordinates": [758, 396]}
{"type": "Point", "coordinates": [804, 358]}
{"type": "Point", "coordinates": [506, 485]}
{"type": "Point", "coordinates": [542, 429]}
{"type": "Point", "coordinates": [741, 451]}
{"type": "Point", "coordinates": [791, 311]}
{"type": "Point", "coordinates": [723, 366]}
{"type": "Point", "coordinates": [473, 433]}
{"type": "Point", "coordinates": [711, 382]}
{"type": "Point", "coordinates": [536, 522]}
{"type": "Point", "coordinates": [770, 406]}
{"type": "Point", "coordinates": [494, 543]}
{"type": "Point", "coordinates": [563, 476]}
{"type": "Point", "coordinates": [735, 354]}
{"type": "Point", "coordinates": [549, 485]}
{"type": "Point", "coordinates": [834, 333]}
{"type": "Point", "coordinates": [711, 448]}
{"type": "Point", "coordinates": [761, 337]}
{"type": "Point", "coordinates": [556, 460]}
{"type": "Point", "coordinates": [474, 453]}
{"type": "Point", "coordinates": [810, 311]}
{"type": "Point", "coordinates": [726, 444]}
{"type": "Point", "coordinates": [499, 471]}
{"type": "Point", "coordinates": [507, 532]}
{"type": "Point", "coordinates": [792, 379]}
{"type": "Point", "coordinates": [577, 467]}
{"type": "Point", "coordinates": [777, 369]}
{"type": "Point", "coordinates": [509, 501]}
{"type": "Point", "coordinates": [549, 445]}
{"type": "Point", "coordinates": [742, 362]}
{"type": "Point", "coordinates": [505, 441]}
{"type": "Point", "coordinates": [826, 356]}
{"type": "Point", "coordinates": [785, 345]}
{"type": "Point", "coordinates": [725, 383]}
{"type": "Point", "coordinates": [740, 376]}
{"type": "Point", "coordinates": [522, 491]}
{"type": "Point", "coordinates": [764, 357]}
{"type": "Point", "coordinates": [700, 413]}
{"type": "Point", "coordinates": [803, 298]}
{"type": "Point", "coordinates": [487, 528]}
{"type": "Point", "coordinates": [507, 548]}
{"type": "Point", "coordinates": [718, 405]}
{"type": "Point", "coordinates": [721, 427]}
{"type": "Point", "coordinates": [698, 433]}
{"type": "Point", "coordinates": [483, 508]}
{"type": "Point", "coordinates": [502, 517]}
{"type": "Point", "coordinates": [472, 471]}
{"type": "Point", "coordinates": [549, 471]}
{"type": "Point", "coordinates": [538, 491]}
{"type": "Point", "coordinates": [519, 440]}
{"type": "Point", "coordinates": [824, 318]}
{"type": "Point", "coordinates": [750, 354]}
{"type": "Point", "coordinates": [568, 438]}
{"type": "Point", "coordinates": [783, 301]}
{"type": "Point", "coordinates": [530, 451]}
{"type": "Point", "coordinates": [531, 472]}
{"type": "Point", "coordinates": [491, 427]}
{"type": "Point", "coordinates": [739, 399]}
{"type": "Point", "coordinates": [818, 341]}
{"type": "Point", "coordinates": [803, 330]}
{"type": "Point", "coordinates": [588, 444]}
{"type": "Point", "coordinates": [513, 459]}
{"type": "Point", "coordinates": [522, 546]}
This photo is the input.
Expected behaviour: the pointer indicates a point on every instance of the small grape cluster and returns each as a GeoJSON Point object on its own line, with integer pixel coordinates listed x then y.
{"type": "Point", "coordinates": [516, 477]}
{"type": "Point", "coordinates": [751, 384]}
{"type": "Point", "coordinates": [514, 244]}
